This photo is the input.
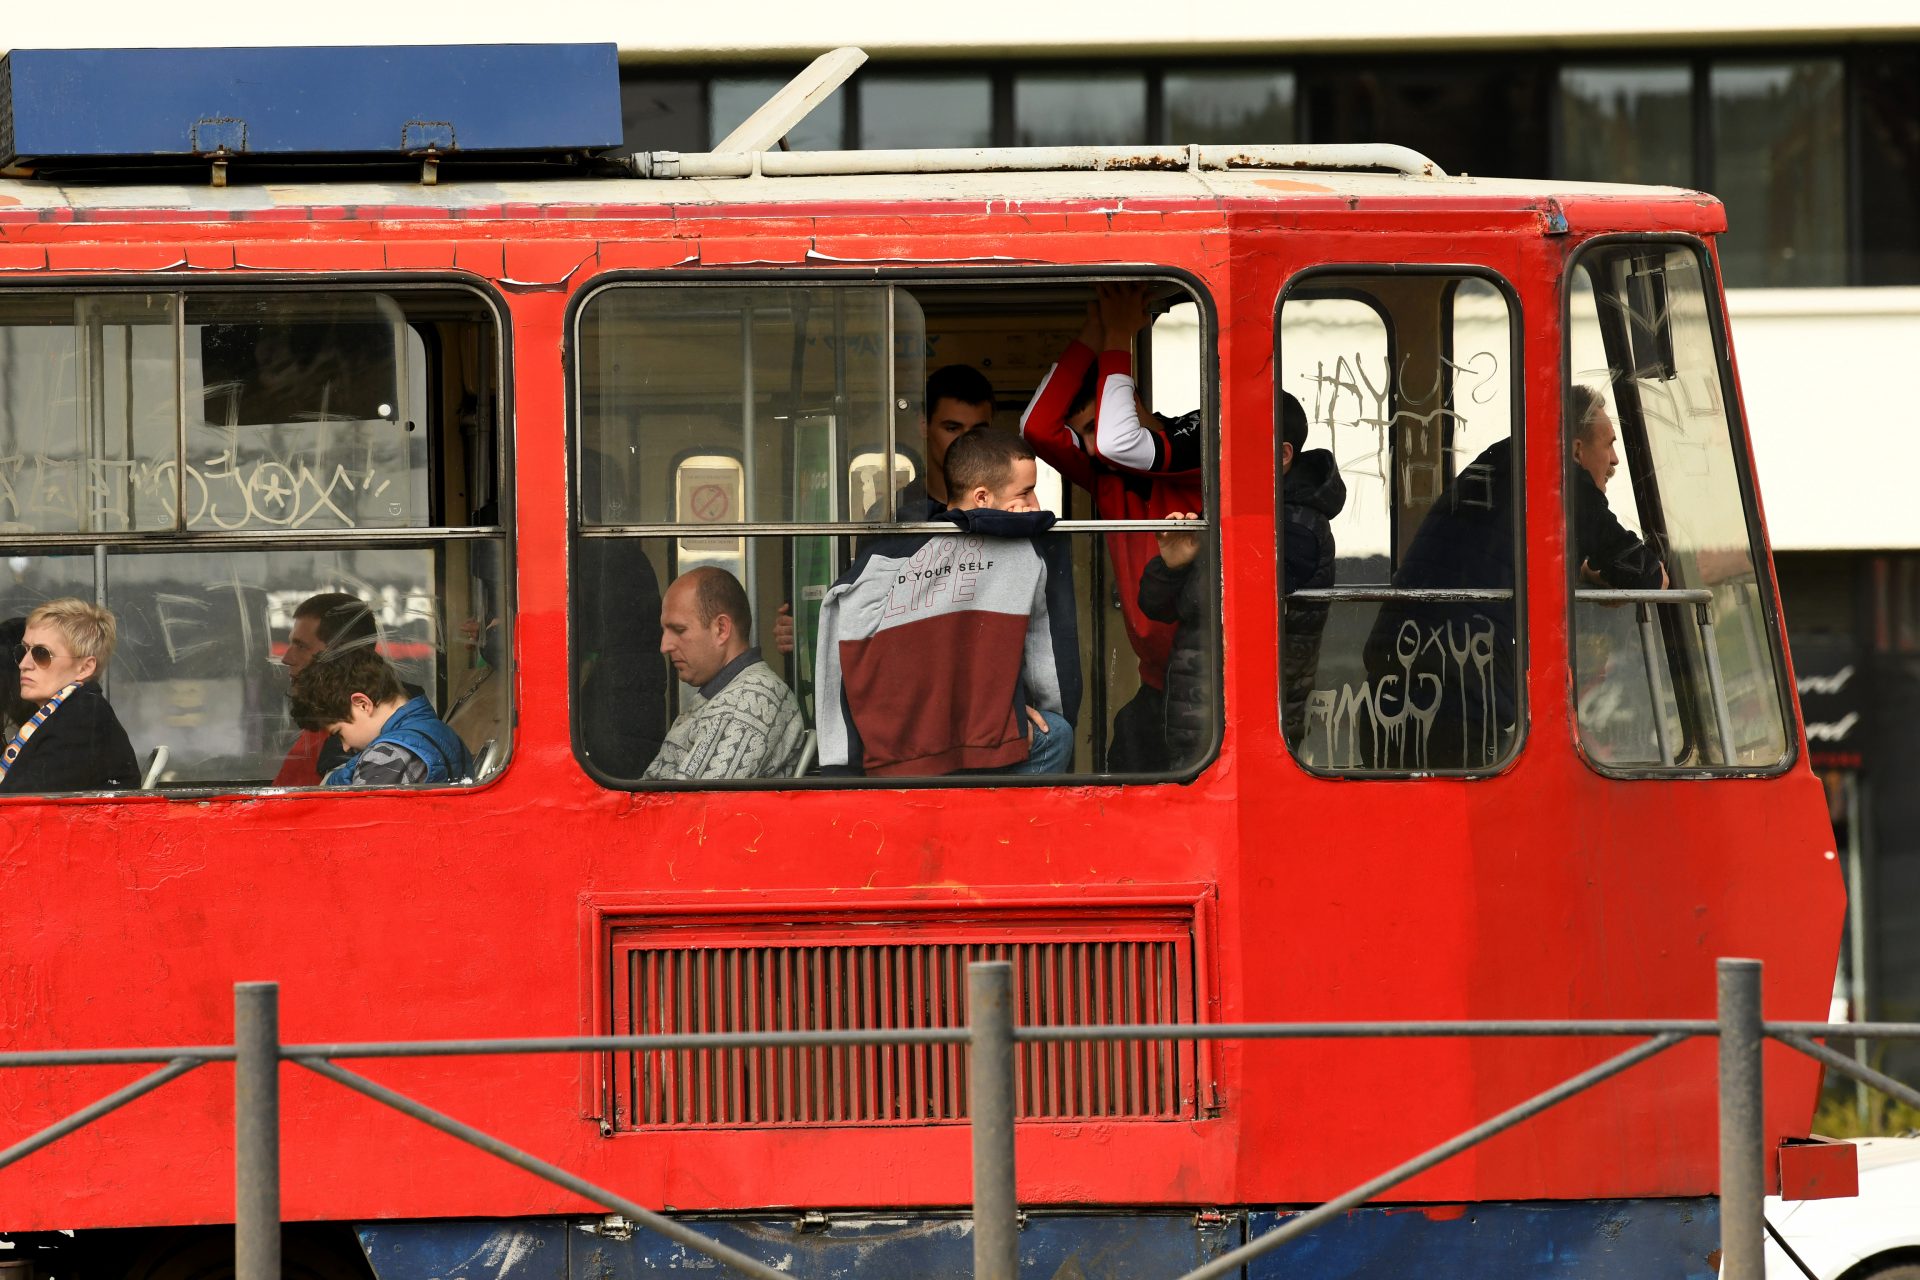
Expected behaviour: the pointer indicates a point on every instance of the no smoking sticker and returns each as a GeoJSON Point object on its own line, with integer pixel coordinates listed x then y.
{"type": "Point", "coordinates": [710, 503]}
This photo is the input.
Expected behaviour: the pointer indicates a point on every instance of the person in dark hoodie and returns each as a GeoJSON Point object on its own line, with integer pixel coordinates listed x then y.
{"type": "Point", "coordinates": [1311, 495]}
{"type": "Point", "coordinates": [72, 741]}
{"type": "Point", "coordinates": [1173, 588]}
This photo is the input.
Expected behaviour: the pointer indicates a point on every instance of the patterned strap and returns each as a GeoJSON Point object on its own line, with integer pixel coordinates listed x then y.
{"type": "Point", "coordinates": [32, 727]}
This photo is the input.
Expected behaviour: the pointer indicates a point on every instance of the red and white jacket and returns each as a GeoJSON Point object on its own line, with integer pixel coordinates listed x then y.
{"type": "Point", "coordinates": [1135, 470]}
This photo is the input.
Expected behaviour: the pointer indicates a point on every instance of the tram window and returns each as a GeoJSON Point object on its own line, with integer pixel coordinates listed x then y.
{"type": "Point", "coordinates": [1674, 651]}
{"type": "Point", "coordinates": [335, 441]}
{"type": "Point", "coordinates": [767, 414]}
{"type": "Point", "coordinates": [1400, 523]}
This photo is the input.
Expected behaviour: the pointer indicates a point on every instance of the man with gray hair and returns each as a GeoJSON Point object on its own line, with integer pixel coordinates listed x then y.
{"type": "Point", "coordinates": [748, 722]}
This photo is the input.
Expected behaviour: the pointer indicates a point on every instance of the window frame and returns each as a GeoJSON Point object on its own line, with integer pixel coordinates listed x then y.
{"type": "Point", "coordinates": [1516, 342]}
{"type": "Point", "coordinates": [1761, 551]}
{"type": "Point", "coordinates": [183, 540]}
{"type": "Point", "coordinates": [910, 280]}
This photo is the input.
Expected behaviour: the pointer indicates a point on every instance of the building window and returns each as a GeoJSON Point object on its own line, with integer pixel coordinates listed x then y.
{"type": "Point", "coordinates": [1779, 148]}
{"type": "Point", "coordinates": [1627, 123]}
{"type": "Point", "coordinates": [1106, 107]}
{"type": "Point", "coordinates": [204, 463]}
{"type": "Point", "coordinates": [1674, 651]}
{"type": "Point", "coordinates": [731, 99]}
{"type": "Point", "coordinates": [1229, 105]}
{"type": "Point", "coordinates": [925, 110]}
{"type": "Point", "coordinates": [1400, 522]}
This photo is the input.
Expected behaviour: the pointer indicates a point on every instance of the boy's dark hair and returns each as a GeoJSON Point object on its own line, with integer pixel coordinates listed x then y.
{"type": "Point", "coordinates": [983, 458]}
{"type": "Point", "coordinates": [323, 693]}
{"type": "Point", "coordinates": [716, 592]}
{"type": "Point", "coordinates": [346, 622]}
{"type": "Point", "coordinates": [960, 382]}
{"type": "Point", "coordinates": [1293, 422]}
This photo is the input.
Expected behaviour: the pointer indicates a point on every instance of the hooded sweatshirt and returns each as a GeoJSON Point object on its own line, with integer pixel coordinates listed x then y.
{"type": "Point", "coordinates": [932, 646]}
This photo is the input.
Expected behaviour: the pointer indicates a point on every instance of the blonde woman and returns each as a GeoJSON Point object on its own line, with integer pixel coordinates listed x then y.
{"type": "Point", "coordinates": [72, 741]}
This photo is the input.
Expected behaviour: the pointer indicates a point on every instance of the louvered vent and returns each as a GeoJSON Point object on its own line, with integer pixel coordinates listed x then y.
{"type": "Point", "coordinates": [794, 977]}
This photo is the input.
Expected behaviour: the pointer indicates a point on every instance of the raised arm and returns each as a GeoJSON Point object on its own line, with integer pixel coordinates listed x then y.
{"type": "Point", "coordinates": [1044, 424]}
{"type": "Point", "coordinates": [1125, 434]}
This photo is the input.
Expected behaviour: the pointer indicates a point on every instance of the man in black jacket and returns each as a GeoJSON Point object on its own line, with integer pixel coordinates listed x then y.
{"type": "Point", "coordinates": [72, 741]}
{"type": "Point", "coordinates": [1611, 555]}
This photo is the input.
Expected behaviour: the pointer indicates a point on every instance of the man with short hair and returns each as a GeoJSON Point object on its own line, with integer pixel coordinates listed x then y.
{"type": "Point", "coordinates": [747, 724]}
{"type": "Point", "coordinates": [952, 652]}
{"type": "Point", "coordinates": [959, 400]}
{"type": "Point", "coordinates": [1611, 555]}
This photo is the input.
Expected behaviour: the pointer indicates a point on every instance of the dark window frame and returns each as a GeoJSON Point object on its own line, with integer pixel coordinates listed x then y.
{"type": "Point", "coordinates": [907, 278]}
{"type": "Point", "coordinates": [1522, 655]}
{"type": "Point", "coordinates": [1740, 443]}
{"type": "Point", "coordinates": [180, 541]}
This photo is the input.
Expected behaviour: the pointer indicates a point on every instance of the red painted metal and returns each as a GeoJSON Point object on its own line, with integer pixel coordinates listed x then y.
{"type": "Point", "coordinates": [1818, 1169]}
{"type": "Point", "coordinates": [1547, 891]}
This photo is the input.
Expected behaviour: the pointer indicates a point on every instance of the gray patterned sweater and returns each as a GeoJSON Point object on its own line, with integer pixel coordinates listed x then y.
{"type": "Point", "coordinates": [748, 728]}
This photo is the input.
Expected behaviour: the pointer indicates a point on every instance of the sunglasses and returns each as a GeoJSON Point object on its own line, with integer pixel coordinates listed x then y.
{"type": "Point", "coordinates": [42, 656]}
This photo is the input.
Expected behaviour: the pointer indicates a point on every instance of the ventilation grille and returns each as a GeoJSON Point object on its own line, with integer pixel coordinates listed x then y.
{"type": "Point", "coordinates": [665, 986]}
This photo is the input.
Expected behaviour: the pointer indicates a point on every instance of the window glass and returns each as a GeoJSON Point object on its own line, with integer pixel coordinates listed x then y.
{"type": "Point", "coordinates": [731, 99]}
{"type": "Point", "coordinates": [1471, 114]}
{"type": "Point", "coordinates": [302, 416]}
{"type": "Point", "coordinates": [1882, 83]}
{"type": "Point", "coordinates": [1225, 105]}
{"type": "Point", "coordinates": [660, 113]}
{"type": "Point", "coordinates": [89, 423]}
{"type": "Point", "coordinates": [1673, 643]}
{"type": "Point", "coordinates": [1779, 162]}
{"type": "Point", "coordinates": [1627, 123]}
{"type": "Point", "coordinates": [1080, 108]}
{"type": "Point", "coordinates": [763, 413]}
{"type": "Point", "coordinates": [926, 111]}
{"type": "Point", "coordinates": [351, 438]}
{"type": "Point", "coordinates": [1399, 524]}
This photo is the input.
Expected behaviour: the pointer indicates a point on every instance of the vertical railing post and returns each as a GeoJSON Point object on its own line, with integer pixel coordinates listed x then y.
{"type": "Point", "coordinates": [256, 1123]}
{"type": "Point", "coordinates": [996, 1226]}
{"type": "Point", "coordinates": [1743, 1171]}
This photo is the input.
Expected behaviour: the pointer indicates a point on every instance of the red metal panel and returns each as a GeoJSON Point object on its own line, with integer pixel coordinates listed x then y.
{"type": "Point", "coordinates": [1818, 1169]}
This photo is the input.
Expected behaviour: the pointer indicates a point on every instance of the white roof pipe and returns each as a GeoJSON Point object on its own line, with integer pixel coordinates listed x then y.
{"type": "Point", "coordinates": [795, 164]}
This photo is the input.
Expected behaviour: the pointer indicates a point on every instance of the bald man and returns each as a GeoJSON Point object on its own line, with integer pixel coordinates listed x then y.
{"type": "Point", "coordinates": [748, 722]}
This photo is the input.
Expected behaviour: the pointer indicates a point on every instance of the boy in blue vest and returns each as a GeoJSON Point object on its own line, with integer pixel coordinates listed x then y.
{"type": "Point", "coordinates": [395, 739]}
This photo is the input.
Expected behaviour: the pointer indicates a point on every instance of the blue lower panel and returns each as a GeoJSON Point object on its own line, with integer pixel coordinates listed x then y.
{"type": "Point", "coordinates": [1588, 1239]}
{"type": "Point", "coordinates": [1136, 1246]}
{"type": "Point", "coordinates": [1597, 1240]}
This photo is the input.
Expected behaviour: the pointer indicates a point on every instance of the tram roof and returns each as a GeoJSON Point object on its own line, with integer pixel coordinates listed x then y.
{"type": "Point", "coordinates": [991, 190]}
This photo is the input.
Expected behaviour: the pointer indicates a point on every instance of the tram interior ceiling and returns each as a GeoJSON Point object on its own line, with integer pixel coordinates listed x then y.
{"type": "Point", "coordinates": [201, 463]}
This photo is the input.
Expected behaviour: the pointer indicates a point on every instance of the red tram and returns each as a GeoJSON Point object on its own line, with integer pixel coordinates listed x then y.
{"type": "Point", "coordinates": [505, 410]}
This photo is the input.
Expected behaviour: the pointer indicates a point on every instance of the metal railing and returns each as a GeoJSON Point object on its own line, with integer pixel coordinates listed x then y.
{"type": "Point", "coordinates": [992, 1040]}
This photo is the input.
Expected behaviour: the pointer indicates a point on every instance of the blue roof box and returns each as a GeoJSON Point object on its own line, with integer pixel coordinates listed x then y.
{"type": "Point", "coordinates": [95, 105]}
